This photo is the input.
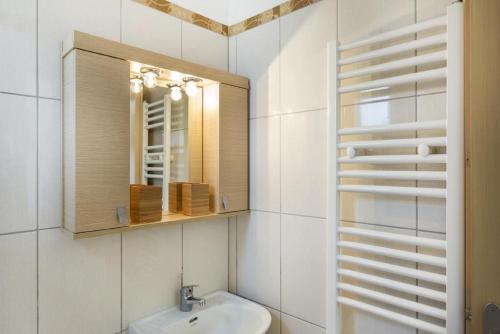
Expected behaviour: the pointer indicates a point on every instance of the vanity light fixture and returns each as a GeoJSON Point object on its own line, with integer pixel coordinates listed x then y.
{"type": "Point", "coordinates": [175, 92]}
{"type": "Point", "coordinates": [136, 84]}
{"type": "Point", "coordinates": [191, 85]}
{"type": "Point", "coordinates": [149, 76]}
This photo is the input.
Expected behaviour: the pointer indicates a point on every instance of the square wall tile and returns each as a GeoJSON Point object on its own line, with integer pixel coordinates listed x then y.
{"type": "Point", "coordinates": [18, 285]}
{"type": "Point", "coordinates": [428, 9]}
{"type": "Point", "coordinates": [258, 52]}
{"type": "Point", "coordinates": [152, 270]}
{"type": "Point", "coordinates": [291, 325]}
{"type": "Point", "coordinates": [303, 163]}
{"type": "Point", "coordinates": [56, 20]}
{"type": "Point", "coordinates": [360, 322]}
{"type": "Point", "coordinates": [18, 170]}
{"type": "Point", "coordinates": [79, 283]}
{"type": "Point", "coordinates": [397, 211]}
{"type": "Point", "coordinates": [303, 75]}
{"type": "Point", "coordinates": [233, 228]}
{"type": "Point", "coordinates": [18, 45]}
{"type": "Point", "coordinates": [265, 164]}
{"type": "Point", "coordinates": [49, 163]}
{"type": "Point", "coordinates": [205, 255]}
{"type": "Point", "coordinates": [275, 327]}
{"type": "Point", "coordinates": [205, 47]}
{"type": "Point", "coordinates": [259, 257]}
{"type": "Point", "coordinates": [150, 29]}
{"type": "Point", "coordinates": [361, 18]}
{"type": "Point", "coordinates": [303, 268]}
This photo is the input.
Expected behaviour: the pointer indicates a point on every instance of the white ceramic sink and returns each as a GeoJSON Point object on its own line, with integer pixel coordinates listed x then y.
{"type": "Point", "coordinates": [223, 313]}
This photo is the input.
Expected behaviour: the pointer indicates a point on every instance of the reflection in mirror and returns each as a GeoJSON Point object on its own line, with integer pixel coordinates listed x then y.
{"type": "Point", "coordinates": [166, 127]}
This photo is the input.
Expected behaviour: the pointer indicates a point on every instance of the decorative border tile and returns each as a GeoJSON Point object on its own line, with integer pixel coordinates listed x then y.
{"type": "Point", "coordinates": [269, 15]}
{"type": "Point", "coordinates": [220, 28]}
{"type": "Point", "coordinates": [186, 15]}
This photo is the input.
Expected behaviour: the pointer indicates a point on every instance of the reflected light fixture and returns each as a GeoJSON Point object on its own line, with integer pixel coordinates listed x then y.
{"type": "Point", "coordinates": [191, 85]}
{"type": "Point", "coordinates": [136, 85]}
{"type": "Point", "coordinates": [175, 92]}
{"type": "Point", "coordinates": [149, 76]}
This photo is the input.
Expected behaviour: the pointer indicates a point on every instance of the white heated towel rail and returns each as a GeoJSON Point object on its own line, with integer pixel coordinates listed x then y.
{"type": "Point", "coordinates": [156, 116]}
{"type": "Point", "coordinates": [372, 270]}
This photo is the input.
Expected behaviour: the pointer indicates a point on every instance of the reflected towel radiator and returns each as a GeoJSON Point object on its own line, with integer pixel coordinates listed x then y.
{"type": "Point", "coordinates": [156, 158]}
{"type": "Point", "coordinates": [376, 271]}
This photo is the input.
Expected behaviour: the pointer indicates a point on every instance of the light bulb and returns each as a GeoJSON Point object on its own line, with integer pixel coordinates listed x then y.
{"type": "Point", "coordinates": [150, 79]}
{"type": "Point", "coordinates": [136, 85]}
{"type": "Point", "coordinates": [191, 88]}
{"type": "Point", "coordinates": [175, 93]}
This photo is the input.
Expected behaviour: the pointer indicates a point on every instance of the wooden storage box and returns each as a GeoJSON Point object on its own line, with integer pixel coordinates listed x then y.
{"type": "Point", "coordinates": [145, 203]}
{"type": "Point", "coordinates": [195, 199]}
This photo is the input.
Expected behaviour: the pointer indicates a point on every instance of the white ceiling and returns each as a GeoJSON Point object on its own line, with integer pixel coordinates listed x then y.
{"type": "Point", "coordinates": [228, 11]}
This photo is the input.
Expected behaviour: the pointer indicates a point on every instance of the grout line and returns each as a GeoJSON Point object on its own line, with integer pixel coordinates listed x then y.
{"type": "Point", "coordinates": [17, 232]}
{"type": "Point", "coordinates": [50, 98]}
{"type": "Point", "coordinates": [287, 214]}
{"type": "Point", "coordinates": [415, 52]}
{"type": "Point", "coordinates": [281, 165]}
{"type": "Point", "coordinates": [288, 113]}
{"type": "Point", "coordinates": [311, 323]}
{"type": "Point", "coordinates": [37, 84]}
{"type": "Point", "coordinates": [393, 99]}
{"type": "Point", "coordinates": [236, 259]}
{"type": "Point", "coordinates": [389, 226]}
{"type": "Point", "coordinates": [121, 282]}
{"type": "Point", "coordinates": [50, 228]}
{"type": "Point", "coordinates": [182, 256]}
{"type": "Point", "coordinates": [18, 94]}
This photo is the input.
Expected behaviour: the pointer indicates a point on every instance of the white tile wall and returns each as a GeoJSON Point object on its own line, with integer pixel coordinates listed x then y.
{"type": "Point", "coordinates": [150, 29]}
{"type": "Point", "coordinates": [18, 45]}
{"type": "Point", "coordinates": [259, 258]}
{"type": "Point", "coordinates": [303, 163]}
{"type": "Point", "coordinates": [18, 287]}
{"type": "Point", "coordinates": [303, 268]}
{"type": "Point", "coordinates": [205, 255]}
{"type": "Point", "coordinates": [265, 164]}
{"type": "Point", "coordinates": [286, 62]}
{"type": "Point", "coordinates": [49, 163]}
{"type": "Point", "coordinates": [204, 47]}
{"type": "Point", "coordinates": [18, 168]}
{"type": "Point", "coordinates": [56, 20]}
{"type": "Point", "coordinates": [83, 284]}
{"type": "Point", "coordinates": [151, 271]}
{"type": "Point", "coordinates": [79, 283]}
{"type": "Point", "coordinates": [369, 208]}
{"type": "Point", "coordinates": [303, 38]}
{"type": "Point", "coordinates": [258, 52]}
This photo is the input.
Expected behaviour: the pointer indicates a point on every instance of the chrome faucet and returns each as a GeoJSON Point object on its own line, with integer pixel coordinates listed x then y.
{"type": "Point", "coordinates": [188, 300]}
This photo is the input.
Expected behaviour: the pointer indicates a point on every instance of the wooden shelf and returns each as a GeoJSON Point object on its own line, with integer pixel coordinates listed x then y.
{"type": "Point", "coordinates": [167, 219]}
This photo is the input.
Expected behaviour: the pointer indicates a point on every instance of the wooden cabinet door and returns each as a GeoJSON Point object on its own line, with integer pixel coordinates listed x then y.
{"type": "Point", "coordinates": [96, 135]}
{"type": "Point", "coordinates": [482, 106]}
{"type": "Point", "coordinates": [233, 145]}
{"type": "Point", "coordinates": [225, 146]}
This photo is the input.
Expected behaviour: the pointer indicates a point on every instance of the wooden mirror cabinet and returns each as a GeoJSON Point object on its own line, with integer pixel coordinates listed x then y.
{"type": "Point", "coordinates": [105, 140]}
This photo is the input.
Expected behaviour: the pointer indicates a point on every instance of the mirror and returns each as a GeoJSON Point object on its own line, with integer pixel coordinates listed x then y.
{"type": "Point", "coordinates": [166, 117]}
